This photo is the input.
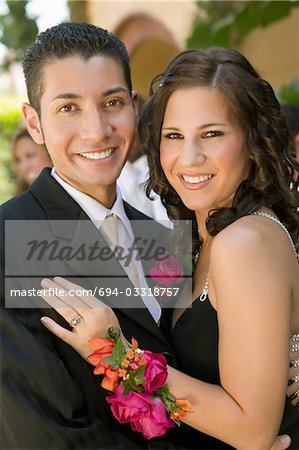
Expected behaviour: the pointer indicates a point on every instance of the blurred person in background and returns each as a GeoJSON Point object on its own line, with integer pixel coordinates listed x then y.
{"type": "Point", "coordinates": [132, 182]}
{"type": "Point", "coordinates": [291, 113]}
{"type": "Point", "coordinates": [28, 159]}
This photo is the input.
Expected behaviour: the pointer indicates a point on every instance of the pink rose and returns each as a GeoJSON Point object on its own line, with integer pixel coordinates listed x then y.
{"type": "Point", "coordinates": [131, 407]}
{"type": "Point", "coordinates": [155, 372]}
{"type": "Point", "coordinates": [156, 423]}
{"type": "Point", "coordinates": [167, 270]}
{"type": "Point", "coordinates": [145, 413]}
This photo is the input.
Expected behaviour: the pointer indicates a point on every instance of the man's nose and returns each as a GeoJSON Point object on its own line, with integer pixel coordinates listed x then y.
{"type": "Point", "coordinates": [96, 126]}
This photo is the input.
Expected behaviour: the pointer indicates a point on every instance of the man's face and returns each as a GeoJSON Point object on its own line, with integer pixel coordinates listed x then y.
{"type": "Point", "coordinates": [87, 122]}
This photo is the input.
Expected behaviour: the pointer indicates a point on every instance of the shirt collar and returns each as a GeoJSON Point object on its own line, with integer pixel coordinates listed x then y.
{"type": "Point", "coordinates": [94, 209]}
{"type": "Point", "coordinates": [119, 210]}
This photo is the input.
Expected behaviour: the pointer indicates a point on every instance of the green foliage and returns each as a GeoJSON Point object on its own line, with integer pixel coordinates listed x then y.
{"type": "Point", "coordinates": [165, 395]}
{"type": "Point", "coordinates": [226, 23]}
{"type": "Point", "coordinates": [9, 123]}
{"type": "Point", "coordinates": [290, 93]}
{"type": "Point", "coordinates": [117, 356]}
{"type": "Point", "coordinates": [18, 31]}
{"type": "Point", "coordinates": [135, 381]}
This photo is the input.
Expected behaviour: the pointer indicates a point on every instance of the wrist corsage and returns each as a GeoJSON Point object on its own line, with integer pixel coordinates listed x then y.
{"type": "Point", "coordinates": [137, 379]}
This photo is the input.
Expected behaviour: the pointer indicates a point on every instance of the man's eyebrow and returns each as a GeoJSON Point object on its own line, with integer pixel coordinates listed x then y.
{"type": "Point", "coordinates": [71, 96]}
{"type": "Point", "coordinates": [67, 96]}
{"type": "Point", "coordinates": [115, 90]}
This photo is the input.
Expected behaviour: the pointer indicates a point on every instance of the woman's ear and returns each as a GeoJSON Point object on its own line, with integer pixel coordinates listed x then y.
{"type": "Point", "coordinates": [33, 124]}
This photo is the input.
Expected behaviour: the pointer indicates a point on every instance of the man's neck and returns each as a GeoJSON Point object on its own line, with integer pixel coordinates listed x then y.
{"type": "Point", "coordinates": [105, 195]}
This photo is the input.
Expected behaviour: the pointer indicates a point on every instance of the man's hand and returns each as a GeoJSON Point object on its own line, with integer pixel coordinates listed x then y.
{"type": "Point", "coordinates": [281, 442]}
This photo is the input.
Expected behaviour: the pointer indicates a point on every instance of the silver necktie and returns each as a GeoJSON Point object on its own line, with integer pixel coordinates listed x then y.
{"type": "Point", "coordinates": [110, 228]}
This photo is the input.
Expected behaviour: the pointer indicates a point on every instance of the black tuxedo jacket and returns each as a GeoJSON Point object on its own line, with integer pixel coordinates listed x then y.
{"type": "Point", "coordinates": [50, 397]}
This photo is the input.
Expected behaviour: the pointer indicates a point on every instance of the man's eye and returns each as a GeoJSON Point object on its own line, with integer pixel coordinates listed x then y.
{"type": "Point", "coordinates": [173, 136]}
{"type": "Point", "coordinates": [212, 133]}
{"type": "Point", "coordinates": [67, 108]}
{"type": "Point", "coordinates": [114, 103]}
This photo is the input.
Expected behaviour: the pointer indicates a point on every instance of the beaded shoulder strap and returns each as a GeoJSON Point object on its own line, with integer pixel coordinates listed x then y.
{"type": "Point", "coordinates": [274, 219]}
{"type": "Point", "coordinates": [204, 293]}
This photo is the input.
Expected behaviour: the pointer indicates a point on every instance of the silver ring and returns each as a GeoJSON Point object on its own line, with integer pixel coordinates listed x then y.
{"type": "Point", "coordinates": [74, 322]}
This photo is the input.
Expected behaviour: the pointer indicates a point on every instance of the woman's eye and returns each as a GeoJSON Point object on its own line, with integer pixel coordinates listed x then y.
{"type": "Point", "coordinates": [212, 133]}
{"type": "Point", "coordinates": [173, 136]}
{"type": "Point", "coordinates": [31, 155]}
{"type": "Point", "coordinates": [67, 108]}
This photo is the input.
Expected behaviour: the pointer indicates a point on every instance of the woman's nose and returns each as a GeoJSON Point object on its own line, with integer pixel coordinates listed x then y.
{"type": "Point", "coordinates": [192, 153]}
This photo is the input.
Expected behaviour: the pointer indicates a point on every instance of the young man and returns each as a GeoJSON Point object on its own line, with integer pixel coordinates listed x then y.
{"type": "Point", "coordinates": [83, 109]}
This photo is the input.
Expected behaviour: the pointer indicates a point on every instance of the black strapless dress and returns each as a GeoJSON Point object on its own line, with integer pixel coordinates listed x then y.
{"type": "Point", "coordinates": [195, 341]}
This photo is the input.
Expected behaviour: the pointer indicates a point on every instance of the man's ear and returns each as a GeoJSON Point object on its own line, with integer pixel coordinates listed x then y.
{"type": "Point", "coordinates": [33, 124]}
{"type": "Point", "coordinates": [135, 102]}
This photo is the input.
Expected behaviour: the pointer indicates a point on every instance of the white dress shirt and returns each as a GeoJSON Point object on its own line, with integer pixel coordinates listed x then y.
{"type": "Point", "coordinates": [97, 213]}
{"type": "Point", "coordinates": [132, 185]}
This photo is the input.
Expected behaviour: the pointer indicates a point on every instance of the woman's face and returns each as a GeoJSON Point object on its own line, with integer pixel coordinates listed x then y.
{"type": "Point", "coordinates": [203, 151]}
{"type": "Point", "coordinates": [29, 159]}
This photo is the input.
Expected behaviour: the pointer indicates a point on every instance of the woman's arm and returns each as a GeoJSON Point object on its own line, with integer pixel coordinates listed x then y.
{"type": "Point", "coordinates": [249, 285]}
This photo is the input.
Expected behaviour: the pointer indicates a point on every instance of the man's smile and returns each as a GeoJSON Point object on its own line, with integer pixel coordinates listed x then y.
{"type": "Point", "coordinates": [98, 155]}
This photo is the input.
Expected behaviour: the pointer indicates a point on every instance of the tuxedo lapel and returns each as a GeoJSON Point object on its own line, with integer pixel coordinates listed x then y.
{"type": "Point", "coordinates": [73, 227]}
{"type": "Point", "coordinates": [110, 274]}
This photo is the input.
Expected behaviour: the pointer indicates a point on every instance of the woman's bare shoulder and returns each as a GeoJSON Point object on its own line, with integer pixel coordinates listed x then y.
{"type": "Point", "coordinates": [247, 230]}
{"type": "Point", "coordinates": [252, 236]}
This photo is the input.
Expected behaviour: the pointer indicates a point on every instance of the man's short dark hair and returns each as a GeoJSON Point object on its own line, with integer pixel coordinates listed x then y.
{"type": "Point", "coordinates": [65, 40]}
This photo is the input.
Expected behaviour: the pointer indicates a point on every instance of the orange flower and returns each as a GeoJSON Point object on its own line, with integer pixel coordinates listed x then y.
{"type": "Point", "coordinates": [122, 373]}
{"type": "Point", "coordinates": [103, 348]}
{"type": "Point", "coordinates": [110, 380]}
{"type": "Point", "coordinates": [101, 368]}
{"type": "Point", "coordinates": [134, 344]}
{"type": "Point", "coordinates": [125, 363]}
{"type": "Point", "coordinates": [130, 354]}
{"type": "Point", "coordinates": [100, 344]}
{"type": "Point", "coordinates": [178, 415]}
{"type": "Point", "coordinates": [183, 404]}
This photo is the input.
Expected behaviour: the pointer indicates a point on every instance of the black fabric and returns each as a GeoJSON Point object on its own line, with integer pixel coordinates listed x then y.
{"type": "Point", "coordinates": [50, 397]}
{"type": "Point", "coordinates": [199, 324]}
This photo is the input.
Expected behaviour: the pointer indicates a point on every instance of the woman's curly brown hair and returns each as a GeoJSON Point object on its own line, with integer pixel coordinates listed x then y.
{"type": "Point", "coordinates": [252, 100]}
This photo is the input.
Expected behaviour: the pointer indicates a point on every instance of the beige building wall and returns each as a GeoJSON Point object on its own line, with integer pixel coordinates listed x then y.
{"type": "Point", "coordinates": [274, 50]}
{"type": "Point", "coordinates": [155, 31]}
{"type": "Point", "coordinates": [176, 16]}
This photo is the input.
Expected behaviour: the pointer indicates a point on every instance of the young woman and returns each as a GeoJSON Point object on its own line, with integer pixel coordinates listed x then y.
{"type": "Point", "coordinates": [218, 150]}
{"type": "Point", "coordinates": [28, 158]}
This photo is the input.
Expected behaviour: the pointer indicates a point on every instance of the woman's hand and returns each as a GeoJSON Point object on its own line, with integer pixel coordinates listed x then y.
{"type": "Point", "coordinates": [88, 316]}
